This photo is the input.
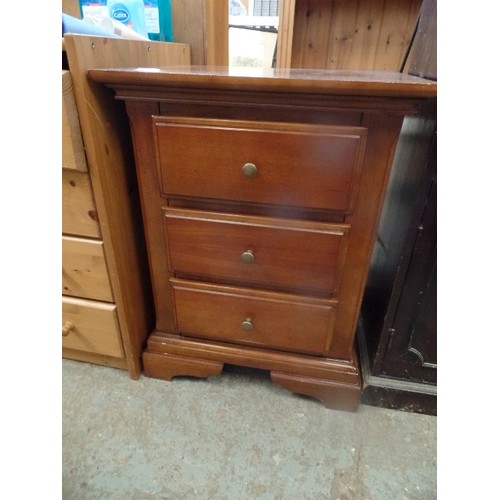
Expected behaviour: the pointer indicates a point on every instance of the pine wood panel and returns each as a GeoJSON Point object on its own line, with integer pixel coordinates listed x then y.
{"type": "Point", "coordinates": [216, 30]}
{"type": "Point", "coordinates": [203, 25]}
{"type": "Point", "coordinates": [84, 270]}
{"type": "Point", "coordinates": [285, 34]}
{"type": "Point", "coordinates": [186, 15]}
{"type": "Point", "coordinates": [73, 154]}
{"type": "Point", "coordinates": [353, 35]}
{"type": "Point", "coordinates": [79, 214]}
{"type": "Point", "coordinates": [71, 7]}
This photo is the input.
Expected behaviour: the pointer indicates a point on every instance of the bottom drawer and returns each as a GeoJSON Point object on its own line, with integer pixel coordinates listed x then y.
{"type": "Point", "coordinates": [244, 316]}
{"type": "Point", "coordinates": [91, 326]}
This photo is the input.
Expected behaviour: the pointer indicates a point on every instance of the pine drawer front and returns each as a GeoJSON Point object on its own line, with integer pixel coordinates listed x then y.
{"type": "Point", "coordinates": [256, 251]}
{"type": "Point", "coordinates": [79, 215]}
{"type": "Point", "coordinates": [84, 270]}
{"type": "Point", "coordinates": [245, 316]}
{"type": "Point", "coordinates": [260, 162]}
{"type": "Point", "coordinates": [91, 326]}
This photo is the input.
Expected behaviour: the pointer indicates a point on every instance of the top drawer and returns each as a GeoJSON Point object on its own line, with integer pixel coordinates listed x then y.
{"type": "Point", "coordinates": [297, 165]}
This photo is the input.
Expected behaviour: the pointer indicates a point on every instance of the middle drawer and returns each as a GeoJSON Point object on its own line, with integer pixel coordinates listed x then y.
{"type": "Point", "coordinates": [296, 255]}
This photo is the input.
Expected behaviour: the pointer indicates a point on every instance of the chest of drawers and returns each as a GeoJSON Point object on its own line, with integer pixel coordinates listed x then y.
{"type": "Point", "coordinates": [107, 309]}
{"type": "Point", "coordinates": [260, 198]}
{"type": "Point", "coordinates": [90, 322]}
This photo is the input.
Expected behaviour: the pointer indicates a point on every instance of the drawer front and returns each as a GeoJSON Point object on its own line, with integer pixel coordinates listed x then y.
{"type": "Point", "coordinates": [245, 316]}
{"type": "Point", "coordinates": [261, 251]}
{"type": "Point", "coordinates": [93, 327]}
{"type": "Point", "coordinates": [84, 270]}
{"type": "Point", "coordinates": [310, 166]}
{"type": "Point", "coordinates": [79, 215]}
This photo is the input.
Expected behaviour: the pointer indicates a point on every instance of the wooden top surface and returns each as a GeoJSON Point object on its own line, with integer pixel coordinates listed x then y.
{"type": "Point", "coordinates": [334, 82]}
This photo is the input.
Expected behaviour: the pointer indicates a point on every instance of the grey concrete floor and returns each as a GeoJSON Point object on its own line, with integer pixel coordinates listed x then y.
{"type": "Point", "coordinates": [236, 436]}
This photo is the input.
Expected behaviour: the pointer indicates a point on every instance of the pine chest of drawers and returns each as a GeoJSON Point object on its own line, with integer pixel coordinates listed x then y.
{"type": "Point", "coordinates": [260, 197]}
{"type": "Point", "coordinates": [107, 305]}
{"type": "Point", "coordinates": [90, 322]}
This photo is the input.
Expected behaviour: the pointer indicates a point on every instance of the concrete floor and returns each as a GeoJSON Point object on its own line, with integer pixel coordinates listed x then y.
{"type": "Point", "coordinates": [236, 436]}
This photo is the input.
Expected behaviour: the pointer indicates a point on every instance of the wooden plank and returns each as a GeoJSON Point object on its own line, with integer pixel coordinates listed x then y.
{"type": "Point", "coordinates": [73, 154]}
{"type": "Point", "coordinates": [106, 136]}
{"type": "Point", "coordinates": [71, 7]}
{"type": "Point", "coordinates": [297, 38]}
{"type": "Point", "coordinates": [79, 213]}
{"type": "Point", "coordinates": [216, 32]}
{"type": "Point", "coordinates": [204, 26]}
{"type": "Point", "coordinates": [187, 22]}
{"type": "Point", "coordinates": [285, 34]}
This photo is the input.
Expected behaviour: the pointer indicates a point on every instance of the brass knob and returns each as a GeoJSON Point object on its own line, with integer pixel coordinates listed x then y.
{"type": "Point", "coordinates": [249, 170]}
{"type": "Point", "coordinates": [66, 329]}
{"type": "Point", "coordinates": [248, 257]}
{"type": "Point", "coordinates": [247, 325]}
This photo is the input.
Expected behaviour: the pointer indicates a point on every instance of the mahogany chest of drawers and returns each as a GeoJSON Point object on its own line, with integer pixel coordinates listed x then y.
{"type": "Point", "coordinates": [260, 197]}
